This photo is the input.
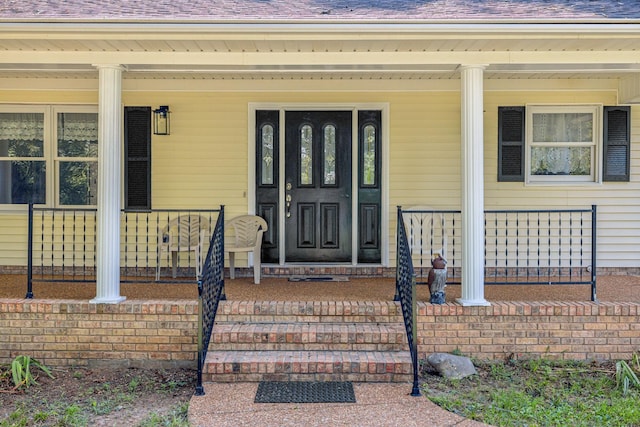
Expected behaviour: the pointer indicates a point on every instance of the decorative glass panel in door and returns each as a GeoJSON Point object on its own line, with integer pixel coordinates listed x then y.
{"type": "Point", "coordinates": [329, 155]}
{"type": "Point", "coordinates": [267, 154]}
{"type": "Point", "coordinates": [306, 155]}
{"type": "Point", "coordinates": [369, 154]}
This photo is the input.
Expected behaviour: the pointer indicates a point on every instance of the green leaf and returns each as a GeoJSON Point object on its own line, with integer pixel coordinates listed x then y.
{"type": "Point", "coordinates": [21, 371]}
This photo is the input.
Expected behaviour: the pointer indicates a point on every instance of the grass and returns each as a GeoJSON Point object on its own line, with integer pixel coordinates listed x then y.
{"type": "Point", "coordinates": [77, 414]}
{"type": "Point", "coordinates": [539, 392]}
{"type": "Point", "coordinates": [177, 417]}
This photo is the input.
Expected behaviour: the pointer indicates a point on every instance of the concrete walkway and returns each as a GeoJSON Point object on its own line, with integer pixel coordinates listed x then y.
{"type": "Point", "coordinates": [377, 405]}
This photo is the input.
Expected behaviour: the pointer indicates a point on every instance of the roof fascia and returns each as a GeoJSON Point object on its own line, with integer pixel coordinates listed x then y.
{"type": "Point", "coordinates": [356, 28]}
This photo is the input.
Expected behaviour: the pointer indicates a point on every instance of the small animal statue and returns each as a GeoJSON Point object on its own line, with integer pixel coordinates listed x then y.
{"type": "Point", "coordinates": [437, 279]}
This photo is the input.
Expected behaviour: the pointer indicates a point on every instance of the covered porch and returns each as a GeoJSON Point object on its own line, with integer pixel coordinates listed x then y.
{"type": "Point", "coordinates": [470, 69]}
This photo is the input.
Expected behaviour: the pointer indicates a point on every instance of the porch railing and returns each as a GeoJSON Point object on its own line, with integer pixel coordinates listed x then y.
{"type": "Point", "coordinates": [406, 294]}
{"type": "Point", "coordinates": [530, 247]}
{"type": "Point", "coordinates": [210, 293]}
{"type": "Point", "coordinates": [62, 244]}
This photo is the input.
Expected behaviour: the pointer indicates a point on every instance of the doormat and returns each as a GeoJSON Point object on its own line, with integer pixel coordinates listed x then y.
{"type": "Point", "coordinates": [305, 392]}
{"type": "Point", "coordinates": [318, 279]}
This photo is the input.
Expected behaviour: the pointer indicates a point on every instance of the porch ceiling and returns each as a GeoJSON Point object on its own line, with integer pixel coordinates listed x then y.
{"type": "Point", "coordinates": [322, 42]}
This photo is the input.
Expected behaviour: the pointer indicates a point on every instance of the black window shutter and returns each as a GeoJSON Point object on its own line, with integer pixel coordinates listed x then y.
{"type": "Point", "coordinates": [511, 144]}
{"type": "Point", "coordinates": [617, 143]}
{"type": "Point", "coordinates": [137, 158]}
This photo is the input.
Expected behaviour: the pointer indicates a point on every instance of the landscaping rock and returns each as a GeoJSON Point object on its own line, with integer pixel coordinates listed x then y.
{"type": "Point", "coordinates": [451, 366]}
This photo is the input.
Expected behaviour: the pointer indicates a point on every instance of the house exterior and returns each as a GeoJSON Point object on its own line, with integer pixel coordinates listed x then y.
{"type": "Point", "coordinates": [322, 117]}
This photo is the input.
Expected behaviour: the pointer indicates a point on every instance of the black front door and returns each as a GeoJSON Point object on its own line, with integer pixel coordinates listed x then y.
{"type": "Point", "coordinates": [318, 185]}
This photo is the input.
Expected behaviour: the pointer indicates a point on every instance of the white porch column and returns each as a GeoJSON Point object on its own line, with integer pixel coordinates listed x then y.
{"type": "Point", "coordinates": [108, 219]}
{"type": "Point", "coordinates": [472, 185]}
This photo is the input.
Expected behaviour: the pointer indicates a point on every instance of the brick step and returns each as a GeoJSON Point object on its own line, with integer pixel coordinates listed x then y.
{"type": "Point", "coordinates": [309, 336]}
{"type": "Point", "coordinates": [309, 311]}
{"type": "Point", "coordinates": [308, 341]}
{"type": "Point", "coordinates": [358, 366]}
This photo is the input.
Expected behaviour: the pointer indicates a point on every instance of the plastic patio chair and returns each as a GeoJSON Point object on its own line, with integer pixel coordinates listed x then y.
{"type": "Point", "coordinates": [248, 231]}
{"type": "Point", "coordinates": [185, 233]}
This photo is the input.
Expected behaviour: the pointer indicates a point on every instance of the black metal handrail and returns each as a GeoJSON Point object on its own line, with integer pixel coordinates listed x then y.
{"type": "Point", "coordinates": [210, 293]}
{"type": "Point", "coordinates": [406, 294]}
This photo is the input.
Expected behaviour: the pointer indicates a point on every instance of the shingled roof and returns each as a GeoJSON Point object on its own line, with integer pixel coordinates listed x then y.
{"type": "Point", "coordinates": [323, 10]}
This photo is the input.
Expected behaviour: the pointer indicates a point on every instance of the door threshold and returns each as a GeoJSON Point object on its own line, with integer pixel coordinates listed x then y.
{"type": "Point", "coordinates": [273, 270]}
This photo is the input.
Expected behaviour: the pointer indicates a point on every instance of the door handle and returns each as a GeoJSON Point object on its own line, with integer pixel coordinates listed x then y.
{"type": "Point", "coordinates": [287, 200]}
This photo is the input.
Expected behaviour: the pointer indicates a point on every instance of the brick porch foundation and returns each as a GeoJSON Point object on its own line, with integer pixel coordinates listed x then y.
{"type": "Point", "coordinates": [163, 333]}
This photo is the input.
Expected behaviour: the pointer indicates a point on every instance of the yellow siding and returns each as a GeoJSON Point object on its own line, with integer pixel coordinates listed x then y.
{"type": "Point", "coordinates": [49, 97]}
{"type": "Point", "coordinates": [203, 163]}
{"type": "Point", "coordinates": [424, 162]}
{"type": "Point", "coordinates": [13, 239]}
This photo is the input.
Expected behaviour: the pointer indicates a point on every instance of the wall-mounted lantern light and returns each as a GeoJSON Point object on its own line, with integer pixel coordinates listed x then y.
{"type": "Point", "coordinates": [161, 120]}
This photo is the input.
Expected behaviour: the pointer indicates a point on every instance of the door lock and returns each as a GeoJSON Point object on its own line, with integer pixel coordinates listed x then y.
{"type": "Point", "coordinates": [287, 199]}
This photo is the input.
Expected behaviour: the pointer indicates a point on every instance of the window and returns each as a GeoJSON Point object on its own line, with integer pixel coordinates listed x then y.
{"type": "Point", "coordinates": [77, 159]}
{"type": "Point", "coordinates": [23, 167]}
{"type": "Point", "coordinates": [563, 144]}
{"type": "Point", "coordinates": [48, 155]}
